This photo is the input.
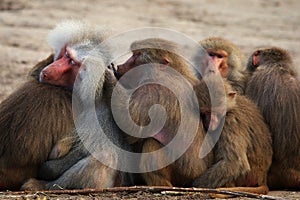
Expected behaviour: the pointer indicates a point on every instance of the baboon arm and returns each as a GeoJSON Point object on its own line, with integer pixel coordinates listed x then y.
{"type": "Point", "coordinates": [61, 148]}
{"type": "Point", "coordinates": [52, 169]}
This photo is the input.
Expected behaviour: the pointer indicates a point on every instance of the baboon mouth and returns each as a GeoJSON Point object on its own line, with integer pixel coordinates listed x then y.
{"type": "Point", "coordinates": [114, 68]}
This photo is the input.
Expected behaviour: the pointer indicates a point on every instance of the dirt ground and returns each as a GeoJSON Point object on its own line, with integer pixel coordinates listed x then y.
{"type": "Point", "coordinates": [24, 25]}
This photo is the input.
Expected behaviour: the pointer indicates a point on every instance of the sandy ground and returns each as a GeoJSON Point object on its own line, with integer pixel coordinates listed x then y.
{"type": "Point", "coordinates": [24, 26]}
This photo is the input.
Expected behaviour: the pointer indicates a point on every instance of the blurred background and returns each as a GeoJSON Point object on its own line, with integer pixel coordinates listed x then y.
{"type": "Point", "coordinates": [24, 25]}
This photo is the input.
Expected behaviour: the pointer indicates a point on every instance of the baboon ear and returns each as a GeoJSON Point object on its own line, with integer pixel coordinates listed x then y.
{"type": "Point", "coordinates": [232, 94]}
{"type": "Point", "coordinates": [255, 58]}
{"type": "Point", "coordinates": [166, 61]}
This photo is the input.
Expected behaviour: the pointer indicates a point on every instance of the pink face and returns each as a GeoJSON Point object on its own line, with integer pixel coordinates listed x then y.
{"type": "Point", "coordinates": [63, 71]}
{"type": "Point", "coordinates": [212, 119]}
{"type": "Point", "coordinates": [219, 58]}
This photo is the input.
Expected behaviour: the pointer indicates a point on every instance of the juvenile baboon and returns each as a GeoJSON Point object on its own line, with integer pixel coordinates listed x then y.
{"type": "Point", "coordinates": [243, 153]}
{"type": "Point", "coordinates": [83, 57]}
{"type": "Point", "coordinates": [274, 86]}
{"type": "Point", "coordinates": [228, 60]}
{"type": "Point", "coordinates": [157, 56]}
{"type": "Point", "coordinates": [32, 120]}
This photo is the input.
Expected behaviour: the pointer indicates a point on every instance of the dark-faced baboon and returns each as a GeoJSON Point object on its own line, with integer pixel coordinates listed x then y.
{"type": "Point", "coordinates": [274, 86]}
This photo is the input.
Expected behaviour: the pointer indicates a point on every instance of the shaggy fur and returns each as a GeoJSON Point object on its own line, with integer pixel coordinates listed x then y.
{"type": "Point", "coordinates": [32, 119]}
{"type": "Point", "coordinates": [243, 153]}
{"type": "Point", "coordinates": [275, 87]}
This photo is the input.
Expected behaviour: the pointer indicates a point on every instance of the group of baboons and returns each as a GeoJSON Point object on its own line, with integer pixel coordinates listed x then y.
{"type": "Point", "coordinates": [255, 107]}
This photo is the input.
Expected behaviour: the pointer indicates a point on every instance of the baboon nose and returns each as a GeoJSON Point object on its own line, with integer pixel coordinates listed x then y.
{"type": "Point", "coordinates": [44, 76]}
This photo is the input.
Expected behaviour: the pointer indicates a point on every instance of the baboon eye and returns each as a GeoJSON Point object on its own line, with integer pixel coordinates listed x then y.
{"type": "Point", "coordinates": [135, 56]}
{"type": "Point", "coordinates": [219, 55]}
{"type": "Point", "coordinates": [211, 54]}
{"type": "Point", "coordinates": [67, 54]}
{"type": "Point", "coordinates": [73, 63]}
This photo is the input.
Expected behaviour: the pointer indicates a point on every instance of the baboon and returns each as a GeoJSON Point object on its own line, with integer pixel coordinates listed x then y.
{"type": "Point", "coordinates": [243, 152]}
{"type": "Point", "coordinates": [159, 57]}
{"type": "Point", "coordinates": [274, 86]}
{"type": "Point", "coordinates": [228, 60]}
{"type": "Point", "coordinates": [190, 169]}
{"type": "Point", "coordinates": [33, 118]}
{"type": "Point", "coordinates": [37, 108]}
{"type": "Point", "coordinates": [81, 66]}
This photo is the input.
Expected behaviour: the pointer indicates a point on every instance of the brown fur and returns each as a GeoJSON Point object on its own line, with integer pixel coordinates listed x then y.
{"type": "Point", "coordinates": [79, 169]}
{"type": "Point", "coordinates": [32, 120]}
{"type": "Point", "coordinates": [234, 60]}
{"type": "Point", "coordinates": [189, 166]}
{"type": "Point", "coordinates": [243, 152]}
{"type": "Point", "coordinates": [274, 86]}
{"type": "Point", "coordinates": [248, 164]}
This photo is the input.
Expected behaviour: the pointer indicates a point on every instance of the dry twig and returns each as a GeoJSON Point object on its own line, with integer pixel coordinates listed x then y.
{"type": "Point", "coordinates": [151, 189]}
